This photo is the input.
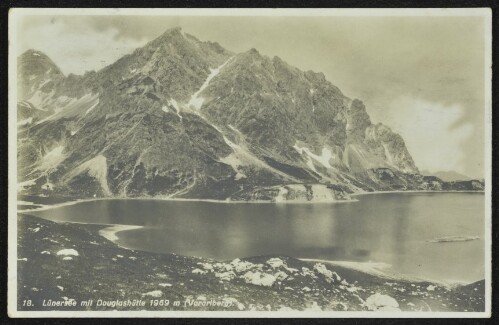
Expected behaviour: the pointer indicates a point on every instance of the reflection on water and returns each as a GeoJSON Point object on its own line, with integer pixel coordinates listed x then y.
{"type": "Point", "coordinates": [390, 228]}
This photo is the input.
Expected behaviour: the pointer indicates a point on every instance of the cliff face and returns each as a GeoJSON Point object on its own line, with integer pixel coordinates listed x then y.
{"type": "Point", "coordinates": [184, 118]}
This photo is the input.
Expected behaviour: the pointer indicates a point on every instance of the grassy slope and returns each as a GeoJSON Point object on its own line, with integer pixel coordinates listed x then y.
{"type": "Point", "coordinates": [106, 271]}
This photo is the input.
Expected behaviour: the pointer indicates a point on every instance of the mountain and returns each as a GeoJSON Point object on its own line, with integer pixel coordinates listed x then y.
{"type": "Point", "coordinates": [448, 176]}
{"type": "Point", "coordinates": [181, 117]}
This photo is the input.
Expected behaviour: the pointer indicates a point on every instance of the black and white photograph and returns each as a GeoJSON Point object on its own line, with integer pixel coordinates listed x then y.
{"type": "Point", "coordinates": [250, 162]}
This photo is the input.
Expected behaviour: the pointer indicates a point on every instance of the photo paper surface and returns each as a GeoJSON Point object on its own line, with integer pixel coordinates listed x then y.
{"type": "Point", "coordinates": [249, 163]}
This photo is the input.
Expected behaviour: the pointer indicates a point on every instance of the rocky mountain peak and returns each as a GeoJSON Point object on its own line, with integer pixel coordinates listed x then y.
{"type": "Point", "coordinates": [182, 117]}
{"type": "Point", "coordinates": [253, 51]}
{"type": "Point", "coordinates": [171, 35]}
{"type": "Point", "coordinates": [177, 30]}
{"type": "Point", "coordinates": [36, 56]}
{"type": "Point", "coordinates": [176, 62]}
{"type": "Point", "coordinates": [358, 121]}
{"type": "Point", "coordinates": [249, 57]}
{"type": "Point", "coordinates": [36, 62]}
{"type": "Point", "coordinates": [176, 39]}
{"type": "Point", "coordinates": [37, 70]}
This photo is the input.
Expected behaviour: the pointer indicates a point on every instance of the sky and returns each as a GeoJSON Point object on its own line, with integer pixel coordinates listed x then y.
{"type": "Point", "coordinates": [422, 76]}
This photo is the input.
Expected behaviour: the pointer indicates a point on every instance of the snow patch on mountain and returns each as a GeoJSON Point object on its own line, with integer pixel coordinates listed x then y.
{"type": "Point", "coordinates": [92, 107]}
{"type": "Point", "coordinates": [25, 121]}
{"type": "Point", "coordinates": [24, 104]}
{"type": "Point", "coordinates": [233, 161]}
{"type": "Point", "coordinates": [196, 101]}
{"type": "Point", "coordinates": [26, 184]}
{"type": "Point", "coordinates": [310, 164]}
{"type": "Point", "coordinates": [66, 107]}
{"type": "Point", "coordinates": [97, 168]}
{"type": "Point", "coordinates": [243, 157]}
{"type": "Point", "coordinates": [62, 101]}
{"type": "Point", "coordinates": [38, 99]}
{"type": "Point", "coordinates": [175, 105]}
{"type": "Point", "coordinates": [47, 186]}
{"type": "Point", "coordinates": [52, 159]}
{"type": "Point", "coordinates": [324, 158]}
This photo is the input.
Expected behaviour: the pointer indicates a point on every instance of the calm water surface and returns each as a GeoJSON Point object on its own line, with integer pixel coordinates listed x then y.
{"type": "Point", "coordinates": [389, 228]}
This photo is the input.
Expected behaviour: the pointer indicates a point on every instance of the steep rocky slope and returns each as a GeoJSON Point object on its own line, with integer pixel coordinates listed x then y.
{"type": "Point", "coordinates": [184, 118]}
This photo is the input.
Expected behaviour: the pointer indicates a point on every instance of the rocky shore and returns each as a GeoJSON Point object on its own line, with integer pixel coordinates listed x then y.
{"type": "Point", "coordinates": [64, 266]}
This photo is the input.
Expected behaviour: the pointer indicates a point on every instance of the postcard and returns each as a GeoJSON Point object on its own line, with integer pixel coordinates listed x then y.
{"type": "Point", "coordinates": [250, 163]}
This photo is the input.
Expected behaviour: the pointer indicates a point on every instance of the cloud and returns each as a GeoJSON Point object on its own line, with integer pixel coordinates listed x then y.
{"type": "Point", "coordinates": [431, 133]}
{"type": "Point", "coordinates": [75, 48]}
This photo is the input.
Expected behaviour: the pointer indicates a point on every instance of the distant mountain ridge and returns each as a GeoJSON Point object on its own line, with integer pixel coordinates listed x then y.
{"type": "Point", "coordinates": [184, 118]}
{"type": "Point", "coordinates": [448, 176]}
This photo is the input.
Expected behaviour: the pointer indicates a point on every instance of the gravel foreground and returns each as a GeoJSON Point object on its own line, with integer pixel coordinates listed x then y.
{"type": "Point", "coordinates": [63, 266]}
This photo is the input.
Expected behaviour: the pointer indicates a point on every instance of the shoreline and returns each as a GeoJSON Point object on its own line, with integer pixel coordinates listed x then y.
{"type": "Point", "coordinates": [181, 276]}
{"type": "Point", "coordinates": [381, 270]}
{"type": "Point", "coordinates": [376, 269]}
{"type": "Point", "coordinates": [110, 232]}
{"type": "Point", "coordinates": [413, 191]}
{"type": "Point", "coordinates": [45, 207]}
{"type": "Point", "coordinates": [280, 282]}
